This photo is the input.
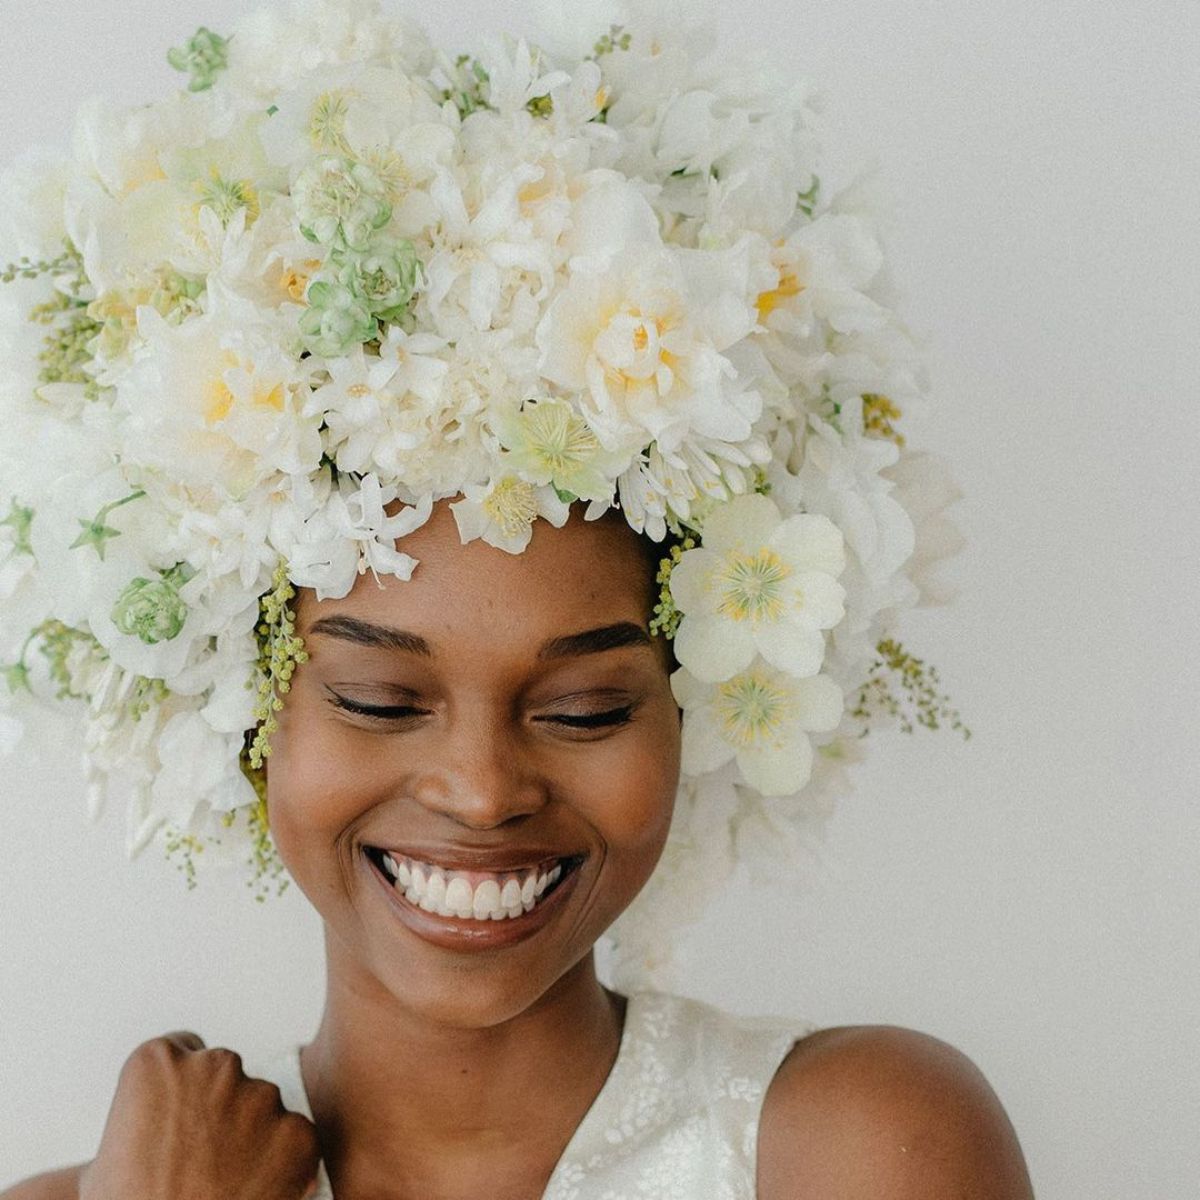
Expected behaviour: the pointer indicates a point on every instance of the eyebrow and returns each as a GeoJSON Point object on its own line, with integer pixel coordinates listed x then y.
{"type": "Point", "coordinates": [385, 637]}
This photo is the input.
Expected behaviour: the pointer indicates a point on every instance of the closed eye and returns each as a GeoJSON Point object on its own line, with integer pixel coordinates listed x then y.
{"type": "Point", "coordinates": [391, 712]}
{"type": "Point", "coordinates": [614, 716]}
{"type": "Point", "coordinates": [401, 712]}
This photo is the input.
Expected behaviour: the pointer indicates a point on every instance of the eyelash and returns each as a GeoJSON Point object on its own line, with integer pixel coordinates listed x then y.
{"type": "Point", "coordinates": [613, 716]}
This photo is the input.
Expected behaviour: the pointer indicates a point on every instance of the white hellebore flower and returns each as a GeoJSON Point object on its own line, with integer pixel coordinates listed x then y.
{"type": "Point", "coordinates": [503, 512]}
{"type": "Point", "coordinates": [547, 441]}
{"type": "Point", "coordinates": [760, 584]}
{"type": "Point", "coordinates": [761, 717]}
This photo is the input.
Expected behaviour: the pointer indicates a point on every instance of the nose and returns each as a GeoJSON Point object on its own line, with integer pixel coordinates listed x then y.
{"type": "Point", "coordinates": [480, 778]}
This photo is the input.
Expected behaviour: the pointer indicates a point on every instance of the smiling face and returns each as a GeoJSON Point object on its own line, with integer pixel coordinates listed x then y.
{"type": "Point", "coordinates": [528, 719]}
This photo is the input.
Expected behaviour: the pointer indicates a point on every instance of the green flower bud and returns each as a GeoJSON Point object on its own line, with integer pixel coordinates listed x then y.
{"type": "Point", "coordinates": [151, 609]}
{"type": "Point", "coordinates": [385, 278]}
{"type": "Point", "coordinates": [340, 203]}
{"type": "Point", "coordinates": [204, 56]}
{"type": "Point", "coordinates": [336, 320]}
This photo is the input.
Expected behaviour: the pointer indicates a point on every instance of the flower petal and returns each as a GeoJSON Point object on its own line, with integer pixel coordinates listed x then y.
{"type": "Point", "coordinates": [779, 770]}
{"type": "Point", "coordinates": [811, 543]}
{"type": "Point", "coordinates": [745, 522]}
{"type": "Point", "coordinates": [703, 748]}
{"type": "Point", "coordinates": [714, 649]}
{"type": "Point", "coordinates": [815, 600]}
{"type": "Point", "coordinates": [822, 703]}
{"type": "Point", "coordinates": [791, 647]}
{"type": "Point", "coordinates": [691, 581]}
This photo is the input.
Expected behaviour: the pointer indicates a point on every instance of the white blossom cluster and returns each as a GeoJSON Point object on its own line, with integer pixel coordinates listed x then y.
{"type": "Point", "coordinates": [343, 270]}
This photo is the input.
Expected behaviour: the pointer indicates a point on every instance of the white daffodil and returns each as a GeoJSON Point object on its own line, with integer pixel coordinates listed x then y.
{"type": "Point", "coordinates": [761, 717]}
{"type": "Point", "coordinates": [503, 512]}
{"type": "Point", "coordinates": [548, 442]}
{"type": "Point", "coordinates": [760, 584]}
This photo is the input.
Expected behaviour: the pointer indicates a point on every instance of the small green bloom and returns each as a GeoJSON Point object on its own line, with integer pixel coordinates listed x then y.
{"type": "Point", "coordinates": [340, 203]}
{"type": "Point", "coordinates": [152, 609]}
{"type": "Point", "coordinates": [617, 38]}
{"type": "Point", "coordinates": [204, 56]}
{"type": "Point", "coordinates": [20, 520]}
{"type": "Point", "coordinates": [336, 320]}
{"type": "Point", "coordinates": [385, 278]}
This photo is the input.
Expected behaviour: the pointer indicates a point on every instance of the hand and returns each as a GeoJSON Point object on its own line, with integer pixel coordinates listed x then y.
{"type": "Point", "coordinates": [187, 1123]}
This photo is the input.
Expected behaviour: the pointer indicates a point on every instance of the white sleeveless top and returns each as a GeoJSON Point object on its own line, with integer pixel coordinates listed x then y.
{"type": "Point", "coordinates": [677, 1117]}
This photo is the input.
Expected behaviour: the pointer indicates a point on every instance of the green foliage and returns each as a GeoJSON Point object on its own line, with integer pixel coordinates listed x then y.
{"type": "Point", "coordinates": [902, 686]}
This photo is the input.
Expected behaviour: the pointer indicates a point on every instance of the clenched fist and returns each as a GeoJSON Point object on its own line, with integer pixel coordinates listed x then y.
{"type": "Point", "coordinates": [187, 1123]}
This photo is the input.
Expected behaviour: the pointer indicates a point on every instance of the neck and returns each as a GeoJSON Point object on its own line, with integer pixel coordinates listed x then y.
{"type": "Point", "coordinates": [405, 1105]}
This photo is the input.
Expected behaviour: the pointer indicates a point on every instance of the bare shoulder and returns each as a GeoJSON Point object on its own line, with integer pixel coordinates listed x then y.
{"type": "Point", "coordinates": [886, 1112]}
{"type": "Point", "coordinates": [53, 1185]}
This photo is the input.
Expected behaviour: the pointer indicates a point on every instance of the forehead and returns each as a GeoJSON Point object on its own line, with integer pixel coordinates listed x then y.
{"type": "Point", "coordinates": [586, 574]}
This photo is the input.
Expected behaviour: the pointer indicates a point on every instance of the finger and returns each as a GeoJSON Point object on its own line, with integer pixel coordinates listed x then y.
{"type": "Point", "coordinates": [185, 1039]}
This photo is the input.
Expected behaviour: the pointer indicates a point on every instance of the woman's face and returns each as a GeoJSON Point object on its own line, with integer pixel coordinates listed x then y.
{"type": "Point", "coordinates": [528, 718]}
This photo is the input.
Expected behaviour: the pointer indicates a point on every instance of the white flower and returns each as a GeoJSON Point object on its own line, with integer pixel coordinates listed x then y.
{"type": "Point", "coordinates": [925, 488]}
{"type": "Point", "coordinates": [824, 273]}
{"type": "Point", "coordinates": [549, 442]}
{"type": "Point", "coordinates": [351, 534]}
{"type": "Point", "coordinates": [516, 75]}
{"type": "Point", "coordinates": [759, 584]}
{"type": "Point", "coordinates": [762, 718]}
{"type": "Point", "coordinates": [503, 512]}
{"type": "Point", "coordinates": [484, 256]}
{"type": "Point", "coordinates": [31, 204]}
{"type": "Point", "coordinates": [841, 478]}
{"type": "Point", "coordinates": [220, 399]}
{"type": "Point", "coordinates": [641, 343]}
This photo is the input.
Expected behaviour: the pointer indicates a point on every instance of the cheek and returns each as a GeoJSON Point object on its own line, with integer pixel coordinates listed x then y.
{"type": "Point", "coordinates": [310, 799]}
{"type": "Point", "coordinates": [630, 795]}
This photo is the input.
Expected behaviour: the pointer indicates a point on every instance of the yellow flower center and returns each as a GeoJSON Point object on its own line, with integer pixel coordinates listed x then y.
{"type": "Point", "coordinates": [218, 399]}
{"type": "Point", "coordinates": [558, 438]}
{"type": "Point", "coordinates": [641, 338]}
{"type": "Point", "coordinates": [327, 123]}
{"type": "Point", "coordinates": [751, 585]}
{"type": "Point", "coordinates": [751, 708]}
{"type": "Point", "coordinates": [512, 505]}
{"type": "Point", "coordinates": [789, 285]}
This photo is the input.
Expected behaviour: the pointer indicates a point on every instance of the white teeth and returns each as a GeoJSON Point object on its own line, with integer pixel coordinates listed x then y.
{"type": "Point", "coordinates": [502, 897]}
{"type": "Point", "coordinates": [487, 899]}
{"type": "Point", "coordinates": [458, 897]}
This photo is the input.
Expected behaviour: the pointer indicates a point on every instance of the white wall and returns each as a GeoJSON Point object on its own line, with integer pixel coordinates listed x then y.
{"type": "Point", "coordinates": [1031, 895]}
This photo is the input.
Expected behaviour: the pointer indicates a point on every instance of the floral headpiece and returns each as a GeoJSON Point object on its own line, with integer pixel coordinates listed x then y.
{"type": "Point", "coordinates": [342, 270]}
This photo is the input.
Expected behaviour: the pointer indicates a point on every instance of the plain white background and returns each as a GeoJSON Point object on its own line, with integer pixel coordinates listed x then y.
{"type": "Point", "coordinates": [1031, 895]}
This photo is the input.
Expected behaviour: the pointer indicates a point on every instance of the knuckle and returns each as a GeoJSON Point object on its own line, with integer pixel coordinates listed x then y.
{"type": "Point", "coordinates": [299, 1129]}
{"type": "Point", "coordinates": [227, 1061]}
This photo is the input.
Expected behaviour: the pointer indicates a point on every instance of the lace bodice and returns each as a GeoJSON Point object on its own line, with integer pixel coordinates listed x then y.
{"type": "Point", "coordinates": [677, 1117]}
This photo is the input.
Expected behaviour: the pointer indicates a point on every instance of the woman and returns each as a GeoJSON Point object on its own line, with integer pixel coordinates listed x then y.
{"type": "Point", "coordinates": [566, 397]}
{"type": "Point", "coordinates": [527, 718]}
